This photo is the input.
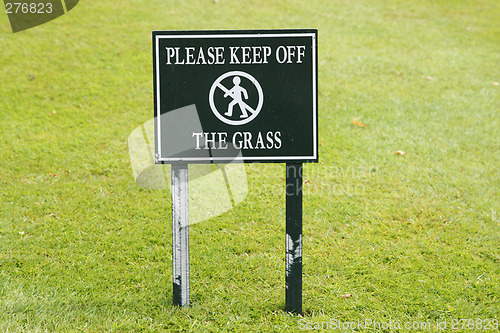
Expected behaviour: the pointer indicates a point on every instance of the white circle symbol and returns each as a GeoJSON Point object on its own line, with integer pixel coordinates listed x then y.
{"type": "Point", "coordinates": [238, 94]}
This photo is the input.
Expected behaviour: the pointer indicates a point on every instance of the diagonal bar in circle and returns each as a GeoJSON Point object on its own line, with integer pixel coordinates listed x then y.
{"type": "Point", "coordinates": [225, 90]}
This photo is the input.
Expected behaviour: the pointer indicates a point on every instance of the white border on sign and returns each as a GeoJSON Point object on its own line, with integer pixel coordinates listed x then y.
{"type": "Point", "coordinates": [254, 158]}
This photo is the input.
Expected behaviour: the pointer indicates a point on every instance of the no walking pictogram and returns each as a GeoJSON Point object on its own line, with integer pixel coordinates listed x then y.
{"type": "Point", "coordinates": [240, 86]}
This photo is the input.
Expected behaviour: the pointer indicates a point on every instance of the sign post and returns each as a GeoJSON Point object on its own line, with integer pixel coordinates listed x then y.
{"type": "Point", "coordinates": [180, 234]}
{"type": "Point", "coordinates": [293, 293]}
{"type": "Point", "coordinates": [236, 96]}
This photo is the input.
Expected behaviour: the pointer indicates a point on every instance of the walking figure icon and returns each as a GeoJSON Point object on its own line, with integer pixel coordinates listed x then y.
{"type": "Point", "coordinates": [239, 96]}
{"type": "Point", "coordinates": [236, 93]}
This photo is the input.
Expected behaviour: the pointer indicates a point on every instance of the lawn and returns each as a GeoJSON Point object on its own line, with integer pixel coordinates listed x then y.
{"type": "Point", "coordinates": [388, 238]}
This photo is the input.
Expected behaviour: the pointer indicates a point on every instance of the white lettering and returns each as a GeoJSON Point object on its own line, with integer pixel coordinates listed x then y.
{"type": "Point", "coordinates": [195, 56]}
{"type": "Point", "coordinates": [170, 54]}
{"type": "Point", "coordinates": [234, 57]}
{"type": "Point", "coordinates": [291, 53]}
{"type": "Point", "coordinates": [278, 54]}
{"type": "Point", "coordinates": [246, 59]}
{"type": "Point", "coordinates": [269, 138]}
{"type": "Point", "coordinates": [222, 140]}
{"type": "Point", "coordinates": [219, 51]}
{"type": "Point", "coordinates": [277, 136]}
{"type": "Point", "coordinates": [177, 62]}
{"type": "Point", "coordinates": [189, 56]}
{"type": "Point", "coordinates": [247, 136]}
{"type": "Point", "coordinates": [257, 58]}
{"type": "Point", "coordinates": [208, 141]}
{"type": "Point", "coordinates": [236, 143]}
{"type": "Point", "coordinates": [211, 56]}
{"type": "Point", "coordinates": [260, 142]}
{"type": "Point", "coordinates": [267, 53]}
{"type": "Point", "coordinates": [301, 52]}
{"type": "Point", "coordinates": [201, 58]}
{"type": "Point", "coordinates": [214, 55]}
{"type": "Point", "coordinates": [198, 135]}
{"type": "Point", "coordinates": [240, 140]}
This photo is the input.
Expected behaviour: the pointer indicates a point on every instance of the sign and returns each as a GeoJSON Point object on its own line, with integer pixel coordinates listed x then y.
{"type": "Point", "coordinates": [254, 92]}
{"type": "Point", "coordinates": [244, 96]}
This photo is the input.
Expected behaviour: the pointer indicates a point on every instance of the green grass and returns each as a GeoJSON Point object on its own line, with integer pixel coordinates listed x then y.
{"type": "Point", "coordinates": [412, 238]}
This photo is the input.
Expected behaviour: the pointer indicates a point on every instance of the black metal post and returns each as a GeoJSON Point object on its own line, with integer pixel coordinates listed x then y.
{"type": "Point", "coordinates": [293, 238]}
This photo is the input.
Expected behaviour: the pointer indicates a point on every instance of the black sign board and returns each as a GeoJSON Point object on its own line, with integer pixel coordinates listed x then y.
{"type": "Point", "coordinates": [248, 96]}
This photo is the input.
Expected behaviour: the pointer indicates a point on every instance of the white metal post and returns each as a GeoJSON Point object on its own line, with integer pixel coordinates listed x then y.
{"type": "Point", "coordinates": [180, 234]}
